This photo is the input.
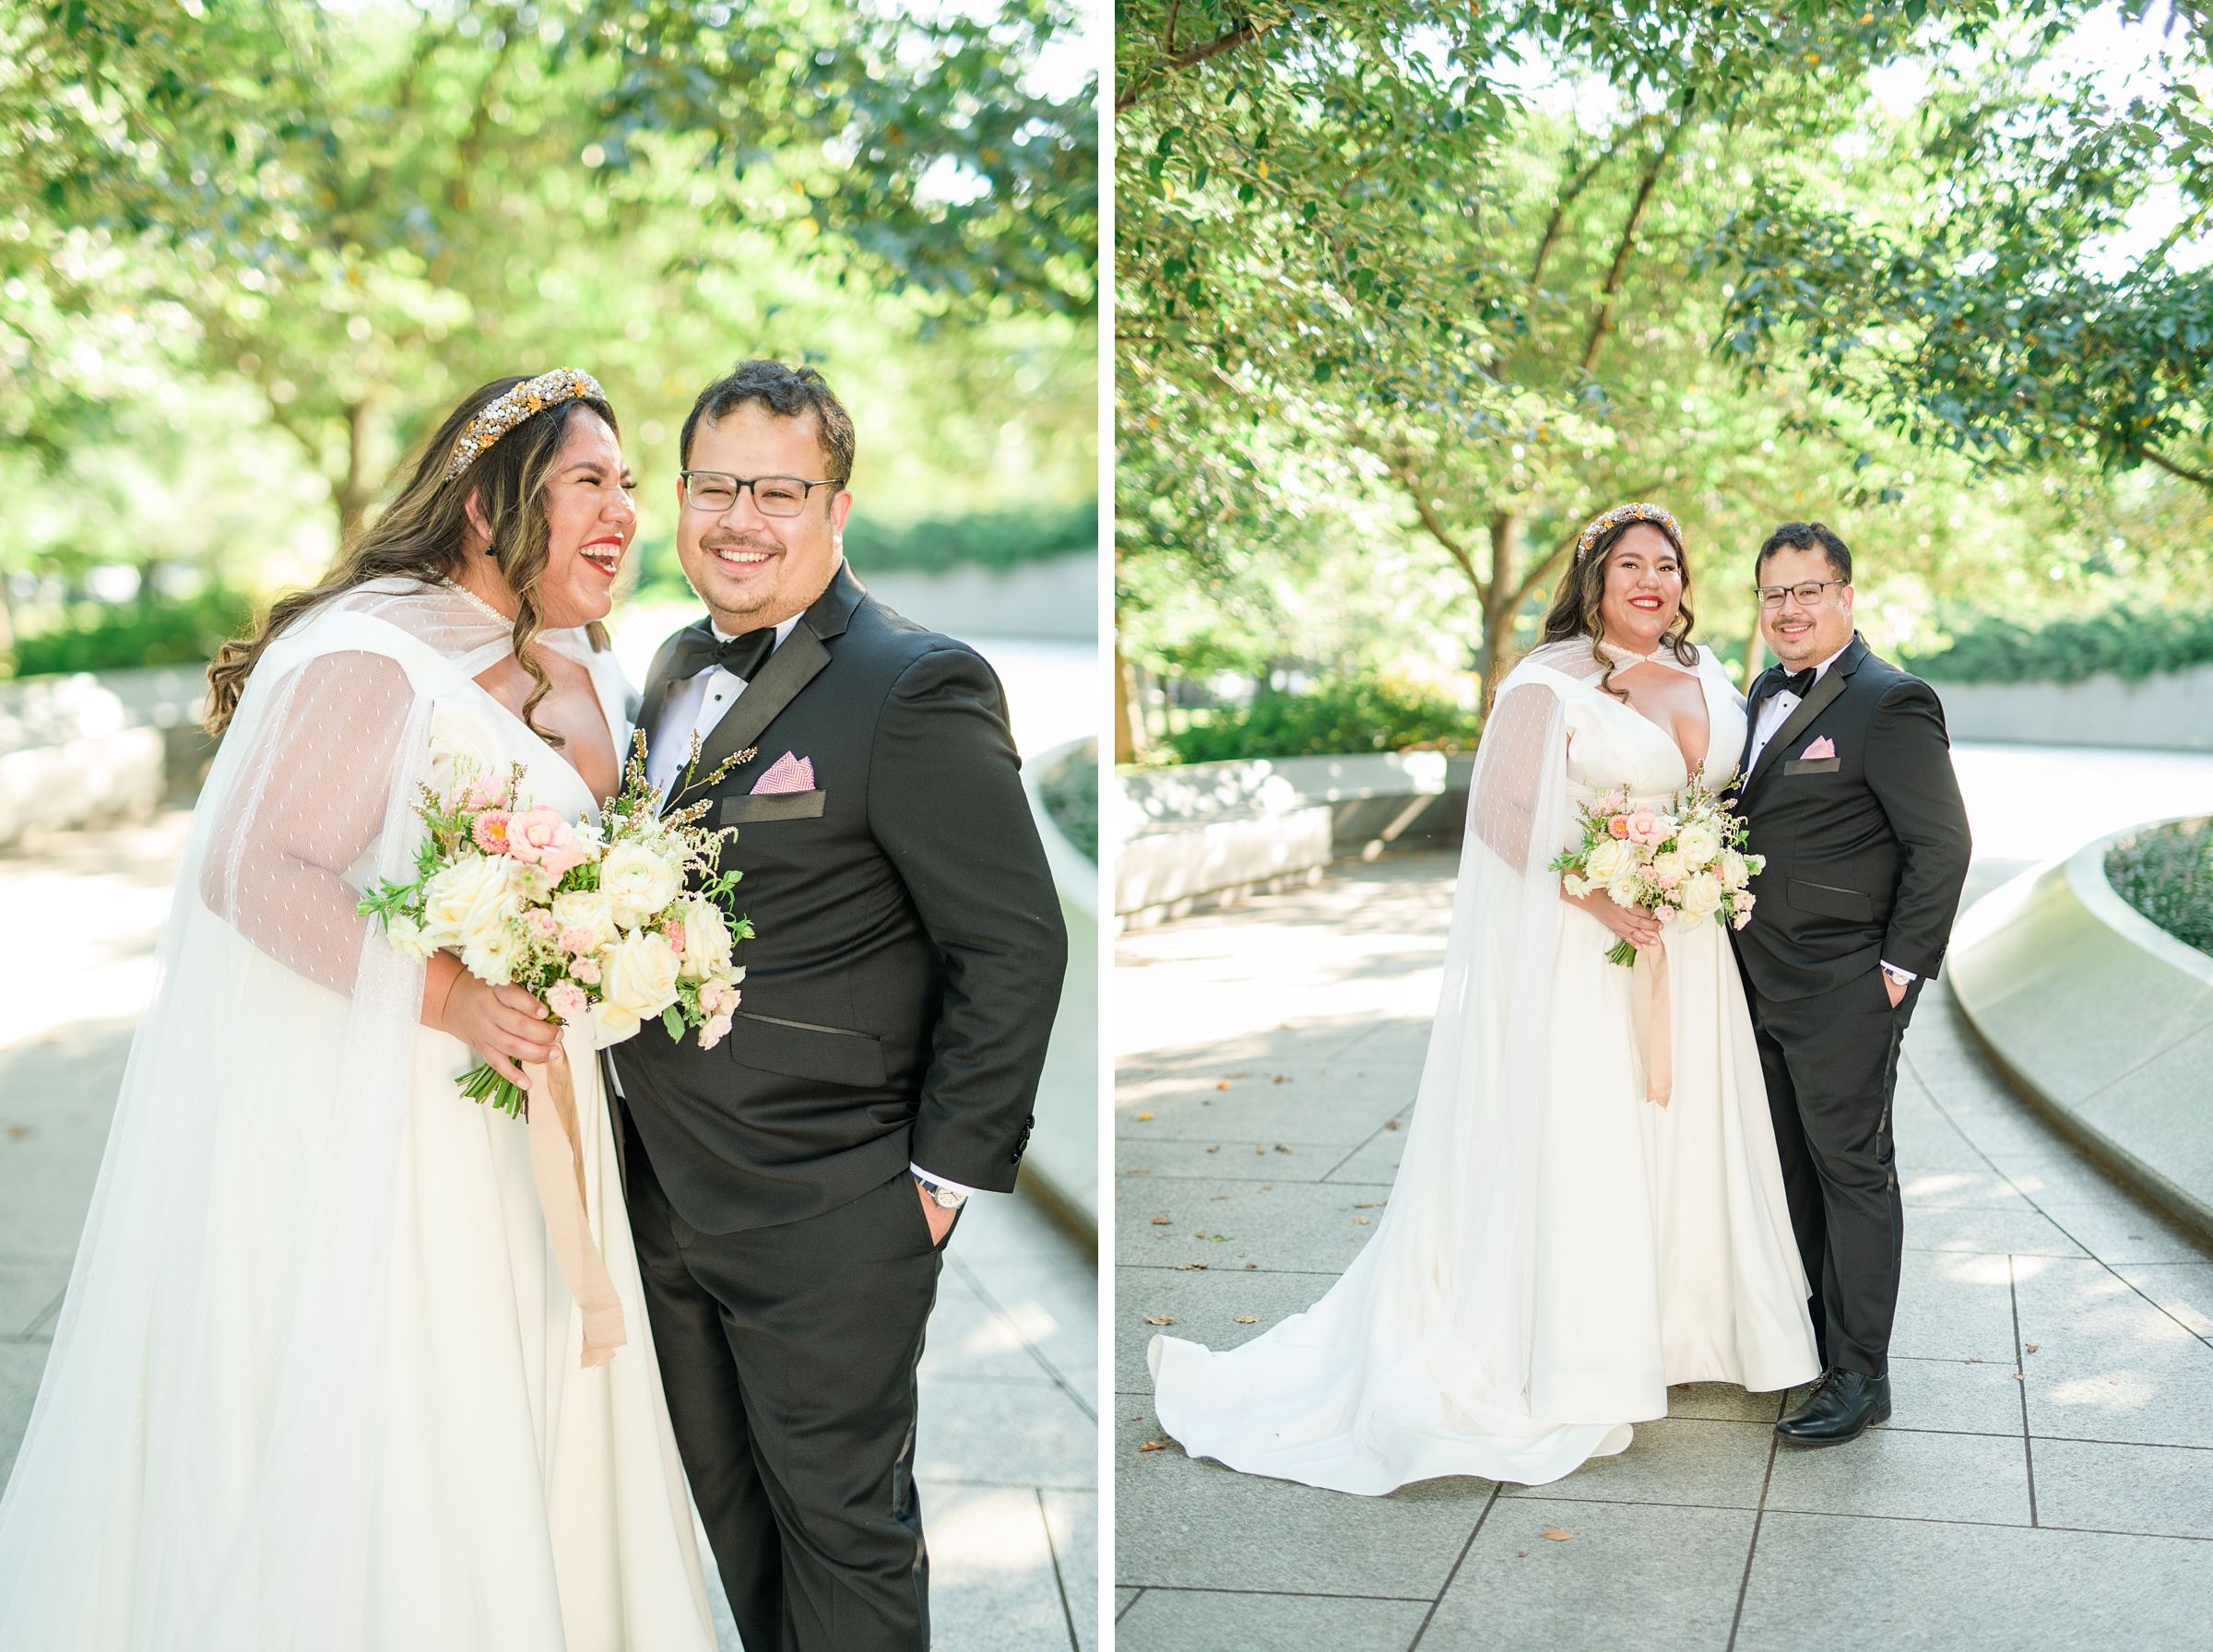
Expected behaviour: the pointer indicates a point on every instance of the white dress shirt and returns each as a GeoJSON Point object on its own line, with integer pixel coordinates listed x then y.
{"type": "Point", "coordinates": [1774, 711]}
{"type": "Point", "coordinates": [691, 713]}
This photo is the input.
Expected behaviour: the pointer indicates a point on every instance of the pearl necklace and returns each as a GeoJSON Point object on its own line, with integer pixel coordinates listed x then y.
{"type": "Point", "coordinates": [462, 591]}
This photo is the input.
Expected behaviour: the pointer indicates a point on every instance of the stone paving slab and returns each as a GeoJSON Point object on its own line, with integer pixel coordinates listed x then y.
{"type": "Point", "coordinates": [2047, 1480]}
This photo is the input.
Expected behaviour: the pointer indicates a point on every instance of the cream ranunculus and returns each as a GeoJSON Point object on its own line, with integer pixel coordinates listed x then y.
{"type": "Point", "coordinates": [1732, 870]}
{"type": "Point", "coordinates": [637, 884]}
{"type": "Point", "coordinates": [1668, 868]}
{"type": "Point", "coordinates": [638, 975]}
{"type": "Point", "coordinates": [406, 934]}
{"type": "Point", "coordinates": [1698, 845]}
{"type": "Point", "coordinates": [467, 907]}
{"type": "Point", "coordinates": [1700, 895]}
{"type": "Point", "coordinates": [706, 938]}
{"type": "Point", "coordinates": [611, 1025]}
{"type": "Point", "coordinates": [587, 911]}
{"type": "Point", "coordinates": [1610, 860]}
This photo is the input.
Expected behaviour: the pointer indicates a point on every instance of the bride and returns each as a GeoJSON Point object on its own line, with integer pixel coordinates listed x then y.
{"type": "Point", "coordinates": [1558, 1249]}
{"type": "Point", "coordinates": [319, 1381]}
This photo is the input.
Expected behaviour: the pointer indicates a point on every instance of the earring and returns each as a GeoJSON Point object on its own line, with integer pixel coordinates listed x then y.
{"type": "Point", "coordinates": [491, 550]}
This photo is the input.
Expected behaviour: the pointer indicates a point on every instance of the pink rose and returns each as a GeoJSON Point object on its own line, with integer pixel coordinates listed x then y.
{"type": "Point", "coordinates": [1618, 826]}
{"type": "Point", "coordinates": [487, 791]}
{"type": "Point", "coordinates": [569, 1002]}
{"type": "Point", "coordinates": [1740, 919]}
{"type": "Point", "coordinates": [714, 1032]}
{"type": "Point", "coordinates": [542, 837]}
{"type": "Point", "coordinates": [585, 970]}
{"type": "Point", "coordinates": [490, 830]}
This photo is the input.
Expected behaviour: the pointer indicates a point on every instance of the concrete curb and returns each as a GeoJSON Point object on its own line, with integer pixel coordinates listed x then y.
{"type": "Point", "coordinates": [1061, 1170]}
{"type": "Point", "coordinates": [2101, 1021]}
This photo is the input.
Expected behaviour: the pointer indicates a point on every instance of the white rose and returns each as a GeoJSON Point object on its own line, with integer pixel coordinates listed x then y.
{"type": "Point", "coordinates": [1697, 845]}
{"type": "Point", "coordinates": [706, 940]}
{"type": "Point", "coordinates": [1700, 896]}
{"type": "Point", "coordinates": [637, 884]}
{"type": "Point", "coordinates": [466, 902]}
{"type": "Point", "coordinates": [638, 975]}
{"type": "Point", "coordinates": [587, 910]}
{"type": "Point", "coordinates": [406, 935]}
{"type": "Point", "coordinates": [1734, 871]}
{"type": "Point", "coordinates": [1609, 861]}
{"type": "Point", "coordinates": [1669, 868]}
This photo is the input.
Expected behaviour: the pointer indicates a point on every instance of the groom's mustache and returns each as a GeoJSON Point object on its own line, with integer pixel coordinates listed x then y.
{"type": "Point", "coordinates": [739, 542]}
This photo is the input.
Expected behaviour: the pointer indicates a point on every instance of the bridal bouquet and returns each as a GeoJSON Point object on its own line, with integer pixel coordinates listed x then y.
{"type": "Point", "coordinates": [594, 920]}
{"type": "Point", "coordinates": [1686, 862]}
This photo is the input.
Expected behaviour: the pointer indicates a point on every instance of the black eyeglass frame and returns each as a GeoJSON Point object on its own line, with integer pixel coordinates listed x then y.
{"type": "Point", "coordinates": [741, 483]}
{"type": "Point", "coordinates": [1760, 592]}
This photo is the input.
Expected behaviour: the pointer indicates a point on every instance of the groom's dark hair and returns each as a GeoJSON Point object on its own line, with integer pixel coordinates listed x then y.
{"type": "Point", "coordinates": [1801, 536]}
{"type": "Point", "coordinates": [788, 393]}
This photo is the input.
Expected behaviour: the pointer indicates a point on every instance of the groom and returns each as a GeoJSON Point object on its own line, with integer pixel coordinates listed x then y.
{"type": "Point", "coordinates": [1849, 792]}
{"type": "Point", "coordinates": [790, 1190]}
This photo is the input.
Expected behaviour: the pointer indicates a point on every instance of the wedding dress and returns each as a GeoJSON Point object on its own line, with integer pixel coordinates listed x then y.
{"type": "Point", "coordinates": [316, 1385]}
{"type": "Point", "coordinates": [1557, 1249]}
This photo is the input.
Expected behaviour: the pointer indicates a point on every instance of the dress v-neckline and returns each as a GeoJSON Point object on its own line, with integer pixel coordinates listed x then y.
{"type": "Point", "coordinates": [1690, 770]}
{"type": "Point", "coordinates": [530, 734]}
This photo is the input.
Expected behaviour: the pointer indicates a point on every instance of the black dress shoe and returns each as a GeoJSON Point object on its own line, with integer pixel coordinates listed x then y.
{"type": "Point", "coordinates": [1842, 1407]}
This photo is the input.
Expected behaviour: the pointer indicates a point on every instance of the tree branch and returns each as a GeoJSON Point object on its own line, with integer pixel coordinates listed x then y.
{"type": "Point", "coordinates": [1602, 316]}
{"type": "Point", "coordinates": [1567, 198]}
{"type": "Point", "coordinates": [2172, 468]}
{"type": "Point", "coordinates": [1174, 61]}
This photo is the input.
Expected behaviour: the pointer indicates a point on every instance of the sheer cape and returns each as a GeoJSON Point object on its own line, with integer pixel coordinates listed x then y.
{"type": "Point", "coordinates": [1417, 1364]}
{"type": "Point", "coordinates": [198, 1470]}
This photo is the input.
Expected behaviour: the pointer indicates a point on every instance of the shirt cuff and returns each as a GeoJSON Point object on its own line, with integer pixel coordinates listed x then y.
{"type": "Point", "coordinates": [1909, 975]}
{"type": "Point", "coordinates": [938, 1181]}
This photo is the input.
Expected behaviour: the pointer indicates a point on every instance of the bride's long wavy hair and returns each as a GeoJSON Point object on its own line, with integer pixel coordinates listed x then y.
{"type": "Point", "coordinates": [1575, 610]}
{"type": "Point", "coordinates": [424, 533]}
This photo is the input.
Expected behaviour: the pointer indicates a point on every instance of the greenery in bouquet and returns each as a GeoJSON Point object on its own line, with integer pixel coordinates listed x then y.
{"type": "Point", "coordinates": [1686, 862]}
{"type": "Point", "coordinates": [611, 924]}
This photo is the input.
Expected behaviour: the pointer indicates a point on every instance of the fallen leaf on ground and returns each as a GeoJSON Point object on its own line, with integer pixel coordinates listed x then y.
{"type": "Point", "coordinates": [1153, 1445]}
{"type": "Point", "coordinates": [1187, 1267]}
{"type": "Point", "coordinates": [1361, 1220]}
{"type": "Point", "coordinates": [1163, 1220]}
{"type": "Point", "coordinates": [1250, 1266]}
{"type": "Point", "coordinates": [1143, 1116]}
{"type": "Point", "coordinates": [1137, 1172]}
{"type": "Point", "coordinates": [16, 1132]}
{"type": "Point", "coordinates": [1279, 1078]}
{"type": "Point", "coordinates": [2033, 1347]}
{"type": "Point", "coordinates": [1556, 1535]}
{"type": "Point", "coordinates": [1247, 1318]}
{"type": "Point", "coordinates": [1373, 1204]}
{"type": "Point", "coordinates": [1391, 1124]}
{"type": "Point", "coordinates": [1162, 1319]}
{"type": "Point", "coordinates": [1281, 1148]}
{"type": "Point", "coordinates": [1224, 1085]}
{"type": "Point", "coordinates": [2016, 1377]}
{"type": "Point", "coordinates": [1214, 1148]}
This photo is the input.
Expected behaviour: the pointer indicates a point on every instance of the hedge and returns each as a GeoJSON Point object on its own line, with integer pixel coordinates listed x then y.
{"type": "Point", "coordinates": [2122, 641]}
{"type": "Point", "coordinates": [1339, 717]}
{"type": "Point", "coordinates": [2166, 873]}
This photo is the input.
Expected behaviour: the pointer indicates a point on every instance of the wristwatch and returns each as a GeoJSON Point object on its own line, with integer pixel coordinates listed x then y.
{"type": "Point", "coordinates": [945, 1198]}
{"type": "Point", "coordinates": [1898, 978]}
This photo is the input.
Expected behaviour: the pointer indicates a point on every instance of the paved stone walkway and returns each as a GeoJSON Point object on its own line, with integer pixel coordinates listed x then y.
{"type": "Point", "coordinates": [2047, 1480]}
{"type": "Point", "coordinates": [1008, 1457]}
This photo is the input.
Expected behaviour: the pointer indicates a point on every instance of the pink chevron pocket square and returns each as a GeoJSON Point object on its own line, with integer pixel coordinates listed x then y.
{"type": "Point", "coordinates": [787, 774]}
{"type": "Point", "coordinates": [1822, 748]}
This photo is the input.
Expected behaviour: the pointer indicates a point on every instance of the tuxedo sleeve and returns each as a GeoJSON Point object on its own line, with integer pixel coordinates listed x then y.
{"type": "Point", "coordinates": [1910, 771]}
{"type": "Point", "coordinates": [946, 804]}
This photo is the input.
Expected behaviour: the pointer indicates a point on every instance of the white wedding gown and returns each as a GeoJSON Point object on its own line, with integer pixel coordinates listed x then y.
{"type": "Point", "coordinates": [317, 1383]}
{"type": "Point", "coordinates": [1557, 1249]}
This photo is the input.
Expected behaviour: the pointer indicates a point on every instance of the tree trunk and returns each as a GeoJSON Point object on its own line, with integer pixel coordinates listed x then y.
{"type": "Point", "coordinates": [1127, 735]}
{"type": "Point", "coordinates": [357, 489]}
{"type": "Point", "coordinates": [1501, 600]}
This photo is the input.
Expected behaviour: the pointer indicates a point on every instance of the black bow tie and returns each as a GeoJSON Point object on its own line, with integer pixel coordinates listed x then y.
{"type": "Point", "coordinates": [742, 656]}
{"type": "Point", "coordinates": [1800, 683]}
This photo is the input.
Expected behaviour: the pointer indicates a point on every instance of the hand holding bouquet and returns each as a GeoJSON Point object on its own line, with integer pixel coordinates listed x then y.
{"type": "Point", "coordinates": [1686, 862]}
{"type": "Point", "coordinates": [594, 920]}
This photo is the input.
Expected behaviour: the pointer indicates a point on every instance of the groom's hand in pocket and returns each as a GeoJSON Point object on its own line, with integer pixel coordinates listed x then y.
{"type": "Point", "coordinates": [940, 1221]}
{"type": "Point", "coordinates": [505, 1024]}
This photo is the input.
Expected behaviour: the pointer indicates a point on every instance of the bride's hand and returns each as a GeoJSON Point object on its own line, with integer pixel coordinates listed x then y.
{"type": "Point", "coordinates": [505, 1024]}
{"type": "Point", "coordinates": [1634, 924]}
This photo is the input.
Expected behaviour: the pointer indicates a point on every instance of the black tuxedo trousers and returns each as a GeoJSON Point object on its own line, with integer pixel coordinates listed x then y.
{"type": "Point", "coordinates": [1855, 808]}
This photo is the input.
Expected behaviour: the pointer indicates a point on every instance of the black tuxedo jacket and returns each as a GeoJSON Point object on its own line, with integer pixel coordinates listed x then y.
{"type": "Point", "coordinates": [1866, 850]}
{"type": "Point", "coordinates": [902, 985]}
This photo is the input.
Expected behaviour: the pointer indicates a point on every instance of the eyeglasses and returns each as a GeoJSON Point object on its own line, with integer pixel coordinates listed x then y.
{"type": "Point", "coordinates": [1771, 596]}
{"type": "Point", "coordinates": [716, 491]}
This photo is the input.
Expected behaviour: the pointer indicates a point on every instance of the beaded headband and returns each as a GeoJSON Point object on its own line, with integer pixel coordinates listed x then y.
{"type": "Point", "coordinates": [1621, 514]}
{"type": "Point", "coordinates": [547, 390]}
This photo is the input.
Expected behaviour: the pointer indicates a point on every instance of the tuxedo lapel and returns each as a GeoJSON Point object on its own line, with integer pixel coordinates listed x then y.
{"type": "Point", "coordinates": [790, 668]}
{"type": "Point", "coordinates": [657, 684]}
{"type": "Point", "coordinates": [1834, 681]}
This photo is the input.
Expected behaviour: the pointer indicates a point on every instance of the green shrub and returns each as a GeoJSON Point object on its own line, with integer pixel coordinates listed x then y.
{"type": "Point", "coordinates": [987, 538]}
{"type": "Point", "coordinates": [138, 633]}
{"type": "Point", "coordinates": [2130, 644]}
{"type": "Point", "coordinates": [1071, 790]}
{"type": "Point", "coordinates": [1340, 717]}
{"type": "Point", "coordinates": [2167, 874]}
